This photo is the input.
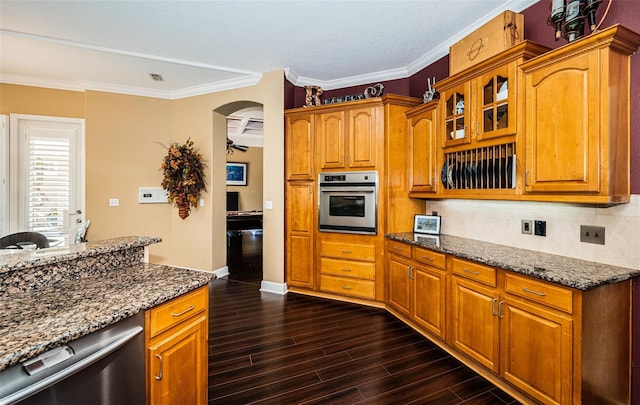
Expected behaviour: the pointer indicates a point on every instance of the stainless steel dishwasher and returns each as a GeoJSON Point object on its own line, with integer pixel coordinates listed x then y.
{"type": "Point", "coordinates": [106, 367]}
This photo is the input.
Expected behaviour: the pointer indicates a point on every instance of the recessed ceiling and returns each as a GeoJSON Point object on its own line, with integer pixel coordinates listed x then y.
{"type": "Point", "coordinates": [206, 46]}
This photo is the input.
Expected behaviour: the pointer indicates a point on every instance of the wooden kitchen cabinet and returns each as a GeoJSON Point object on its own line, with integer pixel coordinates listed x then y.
{"type": "Point", "coordinates": [423, 149]}
{"type": "Point", "coordinates": [576, 123]}
{"type": "Point", "coordinates": [300, 228]}
{"type": "Point", "coordinates": [176, 335]}
{"type": "Point", "coordinates": [348, 270]}
{"type": "Point", "coordinates": [478, 118]}
{"type": "Point", "coordinates": [475, 325]}
{"type": "Point", "coordinates": [536, 350]}
{"type": "Point", "coordinates": [349, 138]}
{"type": "Point", "coordinates": [362, 135]}
{"type": "Point", "coordinates": [299, 162]}
{"type": "Point", "coordinates": [415, 289]}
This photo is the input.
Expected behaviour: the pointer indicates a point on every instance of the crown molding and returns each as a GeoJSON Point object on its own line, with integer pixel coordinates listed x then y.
{"type": "Point", "coordinates": [40, 82]}
{"type": "Point", "coordinates": [422, 62]}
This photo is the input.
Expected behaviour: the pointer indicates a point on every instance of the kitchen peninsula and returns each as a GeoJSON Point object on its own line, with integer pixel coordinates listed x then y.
{"type": "Point", "coordinates": [51, 297]}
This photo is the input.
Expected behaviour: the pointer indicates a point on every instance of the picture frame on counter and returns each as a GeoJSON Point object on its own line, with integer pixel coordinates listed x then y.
{"type": "Point", "coordinates": [429, 224]}
{"type": "Point", "coordinates": [236, 174]}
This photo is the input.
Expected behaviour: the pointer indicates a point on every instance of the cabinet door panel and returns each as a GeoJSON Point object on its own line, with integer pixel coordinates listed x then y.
{"type": "Point", "coordinates": [178, 365]}
{"type": "Point", "coordinates": [536, 352]}
{"type": "Point", "coordinates": [399, 285]}
{"type": "Point", "coordinates": [300, 230]}
{"type": "Point", "coordinates": [331, 139]}
{"type": "Point", "coordinates": [299, 144]}
{"type": "Point", "coordinates": [563, 132]}
{"type": "Point", "coordinates": [422, 164]}
{"type": "Point", "coordinates": [429, 299]}
{"type": "Point", "coordinates": [475, 324]}
{"type": "Point", "coordinates": [362, 137]}
{"type": "Point", "coordinates": [496, 103]}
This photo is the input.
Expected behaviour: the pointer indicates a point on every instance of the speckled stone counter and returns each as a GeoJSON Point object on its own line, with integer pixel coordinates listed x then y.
{"type": "Point", "coordinates": [575, 273]}
{"type": "Point", "coordinates": [77, 300]}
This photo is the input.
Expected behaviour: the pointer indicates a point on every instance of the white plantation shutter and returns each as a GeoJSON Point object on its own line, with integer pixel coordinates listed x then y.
{"type": "Point", "coordinates": [48, 180]}
{"type": "Point", "coordinates": [47, 175]}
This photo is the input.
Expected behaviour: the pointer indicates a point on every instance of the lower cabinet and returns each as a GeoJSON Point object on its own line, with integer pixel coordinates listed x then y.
{"type": "Point", "coordinates": [542, 342]}
{"type": "Point", "coordinates": [415, 289]}
{"type": "Point", "coordinates": [176, 335]}
{"type": "Point", "coordinates": [348, 269]}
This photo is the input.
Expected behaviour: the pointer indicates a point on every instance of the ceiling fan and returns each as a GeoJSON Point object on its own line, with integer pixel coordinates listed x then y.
{"type": "Point", "coordinates": [231, 146]}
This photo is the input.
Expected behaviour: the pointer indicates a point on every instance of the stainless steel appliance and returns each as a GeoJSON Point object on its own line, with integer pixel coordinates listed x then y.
{"type": "Point", "coordinates": [105, 367]}
{"type": "Point", "coordinates": [348, 202]}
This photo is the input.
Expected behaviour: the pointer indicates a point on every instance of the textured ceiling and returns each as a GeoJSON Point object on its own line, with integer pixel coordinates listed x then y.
{"type": "Point", "coordinates": [206, 46]}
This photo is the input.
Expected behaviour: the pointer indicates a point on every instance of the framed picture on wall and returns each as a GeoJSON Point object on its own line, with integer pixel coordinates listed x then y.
{"type": "Point", "coordinates": [236, 174]}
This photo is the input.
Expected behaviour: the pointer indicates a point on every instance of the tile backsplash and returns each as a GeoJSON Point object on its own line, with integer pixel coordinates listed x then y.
{"type": "Point", "coordinates": [499, 222]}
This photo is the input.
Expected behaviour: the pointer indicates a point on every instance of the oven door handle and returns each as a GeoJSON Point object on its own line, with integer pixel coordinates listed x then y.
{"type": "Point", "coordinates": [349, 190]}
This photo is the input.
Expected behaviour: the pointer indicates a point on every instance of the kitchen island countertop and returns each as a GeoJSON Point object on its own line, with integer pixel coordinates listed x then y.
{"type": "Point", "coordinates": [34, 320]}
{"type": "Point", "coordinates": [579, 274]}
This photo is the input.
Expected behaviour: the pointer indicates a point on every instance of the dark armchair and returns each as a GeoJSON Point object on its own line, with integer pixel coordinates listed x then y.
{"type": "Point", "coordinates": [12, 240]}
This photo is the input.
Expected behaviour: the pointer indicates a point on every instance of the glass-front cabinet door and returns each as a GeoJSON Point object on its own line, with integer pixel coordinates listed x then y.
{"type": "Point", "coordinates": [495, 113]}
{"type": "Point", "coordinates": [457, 114]}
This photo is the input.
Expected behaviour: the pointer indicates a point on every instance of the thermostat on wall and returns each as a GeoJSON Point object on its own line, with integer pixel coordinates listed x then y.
{"type": "Point", "coordinates": [152, 195]}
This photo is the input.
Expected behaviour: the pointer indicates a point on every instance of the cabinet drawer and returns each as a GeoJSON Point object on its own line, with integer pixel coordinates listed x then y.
{"type": "Point", "coordinates": [474, 271]}
{"type": "Point", "coordinates": [348, 251]}
{"type": "Point", "coordinates": [399, 248]}
{"type": "Point", "coordinates": [429, 257]}
{"type": "Point", "coordinates": [348, 268]}
{"type": "Point", "coordinates": [348, 286]}
{"type": "Point", "coordinates": [539, 291]}
{"type": "Point", "coordinates": [177, 310]}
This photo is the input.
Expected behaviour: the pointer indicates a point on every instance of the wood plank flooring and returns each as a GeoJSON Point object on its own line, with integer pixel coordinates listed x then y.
{"type": "Point", "coordinates": [294, 349]}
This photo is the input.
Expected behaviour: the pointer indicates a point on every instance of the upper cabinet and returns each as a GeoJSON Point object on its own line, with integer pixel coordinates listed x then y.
{"type": "Point", "coordinates": [347, 138]}
{"type": "Point", "coordinates": [480, 103]}
{"type": "Point", "coordinates": [421, 132]}
{"type": "Point", "coordinates": [299, 147]}
{"type": "Point", "coordinates": [576, 123]}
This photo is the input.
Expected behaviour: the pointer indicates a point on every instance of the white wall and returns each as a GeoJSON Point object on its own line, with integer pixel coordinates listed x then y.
{"type": "Point", "coordinates": [499, 222]}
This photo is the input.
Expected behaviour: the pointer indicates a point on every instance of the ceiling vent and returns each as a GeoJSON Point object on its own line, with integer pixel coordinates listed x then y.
{"type": "Point", "coordinates": [156, 77]}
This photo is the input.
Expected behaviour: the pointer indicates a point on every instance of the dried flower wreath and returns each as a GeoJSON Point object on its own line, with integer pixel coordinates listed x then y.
{"type": "Point", "coordinates": [184, 177]}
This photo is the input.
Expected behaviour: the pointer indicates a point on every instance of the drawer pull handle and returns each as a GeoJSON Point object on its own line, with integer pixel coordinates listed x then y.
{"type": "Point", "coordinates": [347, 270]}
{"type": "Point", "coordinates": [493, 307]}
{"type": "Point", "coordinates": [159, 376]}
{"type": "Point", "coordinates": [500, 314]}
{"type": "Point", "coordinates": [399, 249]}
{"type": "Point", "coordinates": [191, 308]}
{"type": "Point", "coordinates": [540, 294]}
{"type": "Point", "coordinates": [346, 251]}
{"type": "Point", "coordinates": [428, 258]}
{"type": "Point", "coordinates": [346, 287]}
{"type": "Point", "coordinates": [466, 270]}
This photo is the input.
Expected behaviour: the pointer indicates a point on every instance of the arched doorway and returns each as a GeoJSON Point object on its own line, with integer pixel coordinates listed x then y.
{"type": "Point", "coordinates": [244, 171]}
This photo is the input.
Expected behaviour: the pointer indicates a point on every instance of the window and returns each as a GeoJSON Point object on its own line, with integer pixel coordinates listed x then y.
{"type": "Point", "coordinates": [47, 178]}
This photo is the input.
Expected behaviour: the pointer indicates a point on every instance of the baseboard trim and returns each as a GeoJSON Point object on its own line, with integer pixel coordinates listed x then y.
{"type": "Point", "coordinates": [221, 272]}
{"type": "Point", "coordinates": [273, 288]}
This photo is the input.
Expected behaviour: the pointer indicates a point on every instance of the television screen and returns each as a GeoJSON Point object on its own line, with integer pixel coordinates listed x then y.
{"type": "Point", "coordinates": [232, 201]}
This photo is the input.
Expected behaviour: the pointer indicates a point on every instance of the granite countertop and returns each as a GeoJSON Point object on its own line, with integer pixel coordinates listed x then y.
{"type": "Point", "coordinates": [17, 259]}
{"type": "Point", "coordinates": [580, 274]}
{"type": "Point", "coordinates": [33, 322]}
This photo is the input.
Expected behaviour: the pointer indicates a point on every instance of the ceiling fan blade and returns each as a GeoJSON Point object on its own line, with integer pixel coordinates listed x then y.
{"type": "Point", "coordinates": [241, 148]}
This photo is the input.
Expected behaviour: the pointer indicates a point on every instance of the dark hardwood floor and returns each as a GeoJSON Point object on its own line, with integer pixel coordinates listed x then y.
{"type": "Point", "coordinates": [294, 349]}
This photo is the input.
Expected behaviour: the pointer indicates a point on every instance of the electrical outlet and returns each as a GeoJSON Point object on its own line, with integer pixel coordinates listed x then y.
{"type": "Point", "coordinates": [592, 234]}
{"type": "Point", "coordinates": [526, 226]}
{"type": "Point", "coordinates": [114, 202]}
{"type": "Point", "coordinates": [540, 228]}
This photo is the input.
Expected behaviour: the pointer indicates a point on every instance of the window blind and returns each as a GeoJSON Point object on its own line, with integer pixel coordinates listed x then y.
{"type": "Point", "coordinates": [49, 179]}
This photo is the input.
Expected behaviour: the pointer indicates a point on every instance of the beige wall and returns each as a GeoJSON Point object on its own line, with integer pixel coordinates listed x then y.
{"type": "Point", "coordinates": [123, 152]}
{"type": "Point", "coordinates": [40, 101]}
{"type": "Point", "coordinates": [250, 197]}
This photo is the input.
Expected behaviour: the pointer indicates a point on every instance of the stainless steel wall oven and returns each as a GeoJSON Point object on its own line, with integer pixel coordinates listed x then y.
{"type": "Point", "coordinates": [348, 202]}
